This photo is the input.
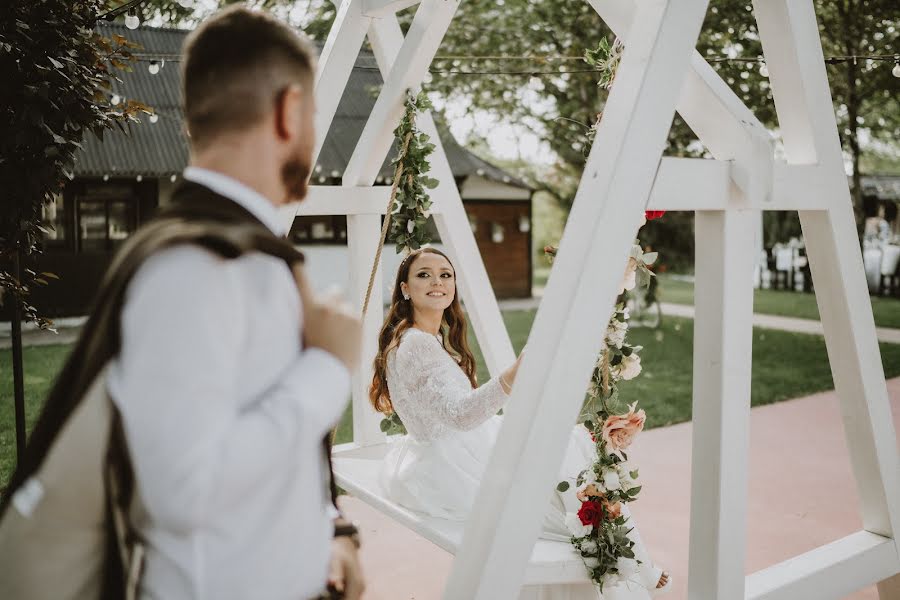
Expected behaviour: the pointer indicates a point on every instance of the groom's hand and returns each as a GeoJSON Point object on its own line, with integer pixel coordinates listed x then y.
{"type": "Point", "coordinates": [345, 573]}
{"type": "Point", "coordinates": [329, 324]}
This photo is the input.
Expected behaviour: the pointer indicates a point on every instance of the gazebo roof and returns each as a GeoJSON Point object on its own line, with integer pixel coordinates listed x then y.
{"type": "Point", "coordinates": [160, 149]}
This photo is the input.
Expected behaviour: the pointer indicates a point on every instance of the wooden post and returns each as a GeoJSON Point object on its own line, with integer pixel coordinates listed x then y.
{"type": "Point", "coordinates": [18, 375]}
{"type": "Point", "coordinates": [723, 298]}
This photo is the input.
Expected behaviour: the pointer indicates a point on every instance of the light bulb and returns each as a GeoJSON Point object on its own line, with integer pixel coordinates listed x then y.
{"type": "Point", "coordinates": [764, 70]}
{"type": "Point", "coordinates": [185, 3]}
{"type": "Point", "coordinates": [106, 178]}
{"type": "Point", "coordinates": [154, 118]}
{"type": "Point", "coordinates": [115, 100]}
{"type": "Point", "coordinates": [139, 178]}
{"type": "Point", "coordinates": [173, 178]}
{"type": "Point", "coordinates": [132, 21]}
{"type": "Point", "coordinates": [896, 70]}
{"type": "Point", "coordinates": [153, 68]}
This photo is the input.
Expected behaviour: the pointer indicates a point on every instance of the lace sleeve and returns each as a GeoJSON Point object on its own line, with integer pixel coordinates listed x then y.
{"type": "Point", "coordinates": [440, 388]}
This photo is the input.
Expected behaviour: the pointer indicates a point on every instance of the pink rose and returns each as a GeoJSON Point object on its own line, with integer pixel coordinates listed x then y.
{"type": "Point", "coordinates": [588, 492]}
{"type": "Point", "coordinates": [612, 511]}
{"type": "Point", "coordinates": [619, 430]}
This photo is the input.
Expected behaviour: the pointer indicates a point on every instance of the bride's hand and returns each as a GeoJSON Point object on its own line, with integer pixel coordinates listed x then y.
{"type": "Point", "coordinates": [508, 377]}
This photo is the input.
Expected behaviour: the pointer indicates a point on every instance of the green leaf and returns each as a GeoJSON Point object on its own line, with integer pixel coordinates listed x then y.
{"type": "Point", "coordinates": [563, 486]}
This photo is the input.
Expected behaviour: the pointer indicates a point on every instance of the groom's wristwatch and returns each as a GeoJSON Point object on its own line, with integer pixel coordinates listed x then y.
{"type": "Point", "coordinates": [349, 530]}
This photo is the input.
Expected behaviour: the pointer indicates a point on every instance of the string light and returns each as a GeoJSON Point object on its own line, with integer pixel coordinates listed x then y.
{"type": "Point", "coordinates": [115, 100]}
{"type": "Point", "coordinates": [896, 70]}
{"type": "Point", "coordinates": [764, 70]}
{"type": "Point", "coordinates": [154, 118]}
{"type": "Point", "coordinates": [132, 21]}
{"type": "Point", "coordinates": [139, 178]}
{"type": "Point", "coordinates": [154, 67]}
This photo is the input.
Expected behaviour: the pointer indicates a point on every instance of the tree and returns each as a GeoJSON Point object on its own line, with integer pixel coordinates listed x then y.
{"type": "Point", "coordinates": [56, 73]}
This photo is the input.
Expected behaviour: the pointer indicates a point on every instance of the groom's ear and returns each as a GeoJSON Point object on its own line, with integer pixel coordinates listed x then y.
{"type": "Point", "coordinates": [290, 105]}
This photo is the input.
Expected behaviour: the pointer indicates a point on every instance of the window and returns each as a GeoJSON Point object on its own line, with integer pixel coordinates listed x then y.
{"type": "Point", "coordinates": [106, 216]}
{"type": "Point", "coordinates": [54, 216]}
{"type": "Point", "coordinates": [319, 230]}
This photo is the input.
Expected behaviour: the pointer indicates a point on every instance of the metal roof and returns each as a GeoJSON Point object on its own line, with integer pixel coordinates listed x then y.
{"type": "Point", "coordinates": [160, 149]}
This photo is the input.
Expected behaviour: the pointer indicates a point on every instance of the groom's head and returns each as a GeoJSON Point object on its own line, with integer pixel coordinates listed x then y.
{"type": "Point", "coordinates": [248, 76]}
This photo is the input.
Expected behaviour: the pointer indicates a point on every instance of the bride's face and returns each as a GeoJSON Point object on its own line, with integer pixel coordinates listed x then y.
{"type": "Point", "coordinates": [431, 284]}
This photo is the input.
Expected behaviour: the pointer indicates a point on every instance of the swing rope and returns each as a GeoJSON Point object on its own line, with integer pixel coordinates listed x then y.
{"type": "Point", "coordinates": [398, 173]}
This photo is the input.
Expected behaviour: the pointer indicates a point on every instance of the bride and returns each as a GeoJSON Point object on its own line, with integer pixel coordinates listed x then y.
{"type": "Point", "coordinates": [425, 372]}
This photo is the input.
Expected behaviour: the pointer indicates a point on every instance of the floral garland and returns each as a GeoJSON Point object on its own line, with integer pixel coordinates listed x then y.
{"type": "Point", "coordinates": [600, 528]}
{"type": "Point", "coordinates": [412, 205]}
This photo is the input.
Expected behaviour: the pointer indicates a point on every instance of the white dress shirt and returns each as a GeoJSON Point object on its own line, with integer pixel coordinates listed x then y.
{"type": "Point", "coordinates": [224, 414]}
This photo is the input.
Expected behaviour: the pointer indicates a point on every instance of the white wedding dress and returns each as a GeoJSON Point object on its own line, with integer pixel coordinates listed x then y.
{"type": "Point", "coordinates": [437, 467]}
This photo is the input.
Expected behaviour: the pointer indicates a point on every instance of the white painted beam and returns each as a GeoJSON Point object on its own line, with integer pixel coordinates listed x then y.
{"type": "Point", "coordinates": [568, 330]}
{"type": "Point", "coordinates": [831, 571]}
{"type": "Point", "coordinates": [703, 184]}
{"type": "Point", "coordinates": [453, 225]}
{"type": "Point", "coordinates": [725, 257]}
{"type": "Point", "coordinates": [790, 38]}
{"type": "Point", "coordinates": [407, 72]}
{"type": "Point", "coordinates": [385, 8]}
{"type": "Point", "coordinates": [363, 234]}
{"type": "Point", "coordinates": [336, 64]}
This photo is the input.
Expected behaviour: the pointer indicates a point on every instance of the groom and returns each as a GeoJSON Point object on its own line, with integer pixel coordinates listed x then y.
{"type": "Point", "coordinates": [230, 372]}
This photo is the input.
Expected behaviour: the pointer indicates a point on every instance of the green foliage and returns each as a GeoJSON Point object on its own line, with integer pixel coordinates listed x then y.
{"type": "Point", "coordinates": [392, 424]}
{"type": "Point", "coordinates": [411, 209]}
{"type": "Point", "coordinates": [57, 75]}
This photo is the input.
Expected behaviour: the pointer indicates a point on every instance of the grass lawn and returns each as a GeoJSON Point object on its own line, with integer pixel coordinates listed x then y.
{"type": "Point", "coordinates": [782, 302]}
{"type": "Point", "coordinates": [785, 365]}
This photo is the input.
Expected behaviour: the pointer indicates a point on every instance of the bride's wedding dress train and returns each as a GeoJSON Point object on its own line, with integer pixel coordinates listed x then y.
{"type": "Point", "coordinates": [452, 428]}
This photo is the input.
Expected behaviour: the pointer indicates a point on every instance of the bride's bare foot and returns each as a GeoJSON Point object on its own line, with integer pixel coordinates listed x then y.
{"type": "Point", "coordinates": [663, 580]}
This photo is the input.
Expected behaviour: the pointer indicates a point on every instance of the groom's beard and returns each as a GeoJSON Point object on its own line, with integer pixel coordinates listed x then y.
{"type": "Point", "coordinates": [294, 175]}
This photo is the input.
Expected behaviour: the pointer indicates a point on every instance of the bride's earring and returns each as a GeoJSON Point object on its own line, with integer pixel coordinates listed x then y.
{"type": "Point", "coordinates": [405, 296]}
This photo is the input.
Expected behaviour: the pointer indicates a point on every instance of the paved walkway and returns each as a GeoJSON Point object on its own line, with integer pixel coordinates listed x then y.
{"type": "Point", "coordinates": [67, 332]}
{"type": "Point", "coordinates": [810, 326]}
{"type": "Point", "coordinates": [795, 325]}
{"type": "Point", "coordinates": [802, 495]}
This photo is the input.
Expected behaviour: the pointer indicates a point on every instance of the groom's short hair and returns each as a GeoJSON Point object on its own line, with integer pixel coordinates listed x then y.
{"type": "Point", "coordinates": [236, 64]}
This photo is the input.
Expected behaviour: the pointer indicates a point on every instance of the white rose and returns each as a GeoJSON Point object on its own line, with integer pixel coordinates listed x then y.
{"type": "Point", "coordinates": [573, 523]}
{"type": "Point", "coordinates": [629, 279]}
{"type": "Point", "coordinates": [630, 367]}
{"type": "Point", "coordinates": [589, 546]}
{"type": "Point", "coordinates": [611, 480]}
{"type": "Point", "coordinates": [627, 567]}
{"type": "Point", "coordinates": [589, 476]}
{"type": "Point", "coordinates": [616, 337]}
{"type": "Point", "coordinates": [590, 562]}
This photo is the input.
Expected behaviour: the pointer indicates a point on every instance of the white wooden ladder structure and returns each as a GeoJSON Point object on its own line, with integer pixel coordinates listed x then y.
{"type": "Point", "coordinates": [625, 174]}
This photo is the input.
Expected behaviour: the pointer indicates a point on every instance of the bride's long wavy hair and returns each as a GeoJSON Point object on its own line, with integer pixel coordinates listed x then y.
{"type": "Point", "coordinates": [400, 318]}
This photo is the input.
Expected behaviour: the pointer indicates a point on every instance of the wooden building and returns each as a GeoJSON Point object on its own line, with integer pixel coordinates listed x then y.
{"type": "Point", "coordinates": [121, 181]}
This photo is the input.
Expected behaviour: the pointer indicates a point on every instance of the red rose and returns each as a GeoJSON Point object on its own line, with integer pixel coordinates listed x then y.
{"type": "Point", "coordinates": [590, 513]}
{"type": "Point", "coordinates": [654, 214]}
